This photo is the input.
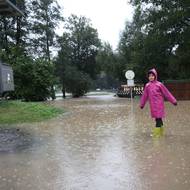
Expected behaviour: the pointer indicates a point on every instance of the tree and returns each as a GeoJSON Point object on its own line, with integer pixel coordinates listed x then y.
{"type": "Point", "coordinates": [77, 82]}
{"type": "Point", "coordinates": [108, 66]}
{"type": "Point", "coordinates": [33, 79]}
{"type": "Point", "coordinates": [84, 43]}
{"type": "Point", "coordinates": [13, 33]}
{"type": "Point", "coordinates": [33, 76]}
{"type": "Point", "coordinates": [131, 51]}
{"type": "Point", "coordinates": [78, 48]}
{"type": "Point", "coordinates": [45, 17]}
{"type": "Point", "coordinates": [158, 37]}
{"type": "Point", "coordinates": [63, 60]}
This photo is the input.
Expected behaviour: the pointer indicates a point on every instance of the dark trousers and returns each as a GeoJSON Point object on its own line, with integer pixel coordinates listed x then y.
{"type": "Point", "coordinates": [159, 122]}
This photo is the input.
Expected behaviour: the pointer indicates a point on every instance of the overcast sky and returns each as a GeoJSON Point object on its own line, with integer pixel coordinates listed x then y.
{"type": "Point", "coordinates": [107, 16]}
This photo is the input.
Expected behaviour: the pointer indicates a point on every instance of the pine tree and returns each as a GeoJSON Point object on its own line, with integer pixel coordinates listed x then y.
{"type": "Point", "coordinates": [45, 17]}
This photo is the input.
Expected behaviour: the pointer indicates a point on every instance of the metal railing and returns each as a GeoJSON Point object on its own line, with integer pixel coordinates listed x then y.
{"type": "Point", "coordinates": [124, 91]}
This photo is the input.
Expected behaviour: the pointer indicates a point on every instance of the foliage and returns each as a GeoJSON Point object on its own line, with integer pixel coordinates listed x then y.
{"type": "Point", "coordinates": [108, 65]}
{"type": "Point", "coordinates": [78, 83]}
{"type": "Point", "coordinates": [25, 43]}
{"type": "Point", "coordinates": [83, 44]}
{"type": "Point", "coordinates": [44, 18]}
{"type": "Point", "coordinates": [158, 37]}
{"type": "Point", "coordinates": [33, 79]}
{"type": "Point", "coordinates": [78, 49]}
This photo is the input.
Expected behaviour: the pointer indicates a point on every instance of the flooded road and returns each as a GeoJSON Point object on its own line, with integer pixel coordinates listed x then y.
{"type": "Point", "coordinates": [100, 143]}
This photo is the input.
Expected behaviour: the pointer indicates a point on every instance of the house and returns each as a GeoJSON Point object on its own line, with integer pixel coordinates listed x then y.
{"type": "Point", "coordinates": [10, 8]}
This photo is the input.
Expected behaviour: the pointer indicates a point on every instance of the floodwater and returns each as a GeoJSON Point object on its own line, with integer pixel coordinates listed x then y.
{"type": "Point", "coordinates": [100, 143]}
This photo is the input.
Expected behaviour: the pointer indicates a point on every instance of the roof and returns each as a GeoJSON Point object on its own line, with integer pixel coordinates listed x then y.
{"type": "Point", "coordinates": [2, 63]}
{"type": "Point", "coordinates": [9, 8]}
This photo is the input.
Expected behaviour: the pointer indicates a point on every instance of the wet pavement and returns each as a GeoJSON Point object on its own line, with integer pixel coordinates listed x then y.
{"type": "Point", "coordinates": [100, 143]}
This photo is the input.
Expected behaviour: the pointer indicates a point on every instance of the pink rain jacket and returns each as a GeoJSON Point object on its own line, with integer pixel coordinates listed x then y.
{"type": "Point", "coordinates": [156, 92]}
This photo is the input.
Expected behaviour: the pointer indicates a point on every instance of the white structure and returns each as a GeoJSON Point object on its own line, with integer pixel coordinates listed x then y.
{"type": "Point", "coordinates": [130, 75]}
{"type": "Point", "coordinates": [130, 81]}
{"type": "Point", "coordinates": [6, 78]}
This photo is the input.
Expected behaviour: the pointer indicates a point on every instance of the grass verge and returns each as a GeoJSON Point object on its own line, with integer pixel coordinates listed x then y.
{"type": "Point", "coordinates": [12, 112]}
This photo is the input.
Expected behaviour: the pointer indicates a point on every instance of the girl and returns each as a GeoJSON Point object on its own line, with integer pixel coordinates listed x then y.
{"type": "Point", "coordinates": [156, 92]}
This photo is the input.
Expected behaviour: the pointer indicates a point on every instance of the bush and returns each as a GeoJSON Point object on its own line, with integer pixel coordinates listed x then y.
{"type": "Point", "coordinates": [77, 82]}
{"type": "Point", "coordinates": [33, 79]}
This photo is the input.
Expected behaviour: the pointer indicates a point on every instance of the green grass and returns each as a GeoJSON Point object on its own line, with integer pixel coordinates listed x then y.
{"type": "Point", "coordinates": [12, 112]}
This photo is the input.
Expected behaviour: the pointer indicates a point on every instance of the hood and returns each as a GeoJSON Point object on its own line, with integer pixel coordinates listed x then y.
{"type": "Point", "coordinates": [154, 72]}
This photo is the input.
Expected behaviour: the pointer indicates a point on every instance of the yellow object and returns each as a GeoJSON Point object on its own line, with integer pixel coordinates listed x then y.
{"type": "Point", "coordinates": [157, 132]}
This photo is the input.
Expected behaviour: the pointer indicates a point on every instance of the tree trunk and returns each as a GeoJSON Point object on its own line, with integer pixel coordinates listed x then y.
{"type": "Point", "coordinates": [5, 37]}
{"type": "Point", "coordinates": [64, 92]}
{"type": "Point", "coordinates": [18, 31]}
{"type": "Point", "coordinates": [53, 93]}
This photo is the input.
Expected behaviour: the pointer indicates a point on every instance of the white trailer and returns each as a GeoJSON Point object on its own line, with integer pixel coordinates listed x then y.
{"type": "Point", "coordinates": [6, 78]}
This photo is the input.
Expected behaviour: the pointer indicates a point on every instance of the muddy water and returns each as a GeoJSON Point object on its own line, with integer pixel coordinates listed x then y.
{"type": "Point", "coordinates": [101, 143]}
